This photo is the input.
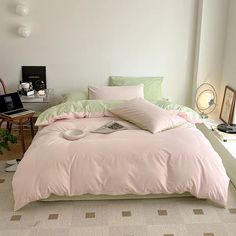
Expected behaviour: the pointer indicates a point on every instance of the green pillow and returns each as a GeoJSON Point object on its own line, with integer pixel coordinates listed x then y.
{"type": "Point", "coordinates": [77, 109]}
{"type": "Point", "coordinates": [75, 96]}
{"type": "Point", "coordinates": [192, 115]}
{"type": "Point", "coordinates": [152, 85]}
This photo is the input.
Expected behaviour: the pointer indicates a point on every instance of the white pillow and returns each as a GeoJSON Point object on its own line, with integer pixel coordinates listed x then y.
{"type": "Point", "coordinates": [116, 92]}
{"type": "Point", "coordinates": [147, 116]}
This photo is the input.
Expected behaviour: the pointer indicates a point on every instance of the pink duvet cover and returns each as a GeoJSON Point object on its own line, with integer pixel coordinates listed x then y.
{"type": "Point", "coordinates": [125, 162]}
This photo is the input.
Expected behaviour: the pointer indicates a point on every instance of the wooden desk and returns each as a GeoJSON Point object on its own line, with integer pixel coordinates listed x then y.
{"type": "Point", "coordinates": [20, 121]}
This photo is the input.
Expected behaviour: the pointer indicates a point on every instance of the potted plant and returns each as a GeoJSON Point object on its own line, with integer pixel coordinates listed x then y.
{"type": "Point", "coordinates": [5, 139]}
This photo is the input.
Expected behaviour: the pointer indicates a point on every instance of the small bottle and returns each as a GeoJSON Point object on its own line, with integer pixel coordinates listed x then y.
{"type": "Point", "coordinates": [20, 88]}
{"type": "Point", "coordinates": [30, 86]}
{"type": "Point", "coordinates": [42, 86]}
{"type": "Point", "coordinates": [41, 91]}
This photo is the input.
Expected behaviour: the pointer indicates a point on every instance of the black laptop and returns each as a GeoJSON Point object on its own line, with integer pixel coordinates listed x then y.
{"type": "Point", "coordinates": [11, 105]}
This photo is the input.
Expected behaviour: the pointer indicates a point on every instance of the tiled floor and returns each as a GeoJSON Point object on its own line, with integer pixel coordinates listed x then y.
{"type": "Point", "coordinates": [154, 217]}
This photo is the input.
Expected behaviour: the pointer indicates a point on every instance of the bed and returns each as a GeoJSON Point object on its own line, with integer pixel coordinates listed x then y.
{"type": "Point", "coordinates": [132, 161]}
{"type": "Point", "coordinates": [129, 163]}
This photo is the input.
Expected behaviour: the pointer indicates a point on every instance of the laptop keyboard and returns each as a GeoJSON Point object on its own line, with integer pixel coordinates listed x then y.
{"type": "Point", "coordinates": [15, 112]}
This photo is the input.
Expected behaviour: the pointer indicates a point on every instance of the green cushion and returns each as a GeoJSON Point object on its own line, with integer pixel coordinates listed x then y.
{"type": "Point", "coordinates": [75, 96]}
{"type": "Point", "coordinates": [177, 107]}
{"type": "Point", "coordinates": [76, 109]}
{"type": "Point", "coordinates": [152, 85]}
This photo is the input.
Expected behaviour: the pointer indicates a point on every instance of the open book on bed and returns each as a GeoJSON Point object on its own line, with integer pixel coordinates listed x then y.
{"type": "Point", "coordinates": [110, 128]}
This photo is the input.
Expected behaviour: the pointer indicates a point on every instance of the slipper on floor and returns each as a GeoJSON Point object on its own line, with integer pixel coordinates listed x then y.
{"type": "Point", "coordinates": [11, 168]}
{"type": "Point", "coordinates": [12, 162]}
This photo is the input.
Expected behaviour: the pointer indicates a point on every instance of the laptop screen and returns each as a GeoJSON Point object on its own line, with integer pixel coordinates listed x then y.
{"type": "Point", "coordinates": [10, 102]}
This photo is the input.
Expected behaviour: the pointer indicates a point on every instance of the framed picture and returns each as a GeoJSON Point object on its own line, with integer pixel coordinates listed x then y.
{"type": "Point", "coordinates": [227, 108]}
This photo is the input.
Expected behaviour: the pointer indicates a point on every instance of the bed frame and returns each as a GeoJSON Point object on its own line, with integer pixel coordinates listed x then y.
{"type": "Point", "coordinates": [92, 197]}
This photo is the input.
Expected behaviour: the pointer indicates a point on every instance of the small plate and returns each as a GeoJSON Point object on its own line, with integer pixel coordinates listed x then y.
{"type": "Point", "coordinates": [73, 134]}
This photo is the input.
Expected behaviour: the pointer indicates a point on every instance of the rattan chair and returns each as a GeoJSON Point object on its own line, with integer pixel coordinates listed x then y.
{"type": "Point", "coordinates": [18, 120]}
{"type": "Point", "coordinates": [4, 90]}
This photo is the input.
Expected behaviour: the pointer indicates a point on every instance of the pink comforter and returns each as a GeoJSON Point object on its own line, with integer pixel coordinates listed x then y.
{"type": "Point", "coordinates": [125, 162]}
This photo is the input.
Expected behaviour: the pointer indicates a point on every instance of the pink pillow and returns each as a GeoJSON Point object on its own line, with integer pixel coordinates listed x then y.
{"type": "Point", "coordinates": [116, 92]}
{"type": "Point", "coordinates": [147, 116]}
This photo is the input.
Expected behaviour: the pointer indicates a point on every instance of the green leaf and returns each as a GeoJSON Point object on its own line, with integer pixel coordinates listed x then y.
{"type": "Point", "coordinates": [5, 139]}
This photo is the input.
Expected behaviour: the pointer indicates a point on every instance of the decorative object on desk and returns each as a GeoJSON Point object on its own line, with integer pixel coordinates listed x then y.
{"type": "Point", "coordinates": [227, 108]}
{"type": "Point", "coordinates": [34, 74]}
{"type": "Point", "coordinates": [5, 139]}
{"type": "Point", "coordinates": [26, 89]}
{"type": "Point", "coordinates": [234, 114]}
{"type": "Point", "coordinates": [31, 86]}
{"type": "Point", "coordinates": [41, 88]}
{"type": "Point", "coordinates": [49, 92]}
{"type": "Point", "coordinates": [230, 129]}
{"type": "Point", "coordinates": [29, 93]}
{"type": "Point", "coordinates": [227, 111]}
{"type": "Point", "coordinates": [40, 85]}
{"type": "Point", "coordinates": [206, 99]}
{"type": "Point", "coordinates": [25, 86]}
{"type": "Point", "coordinates": [22, 9]}
{"type": "Point", "coordinates": [41, 93]}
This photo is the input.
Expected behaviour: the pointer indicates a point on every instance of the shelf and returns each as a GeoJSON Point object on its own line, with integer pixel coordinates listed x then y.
{"type": "Point", "coordinates": [34, 99]}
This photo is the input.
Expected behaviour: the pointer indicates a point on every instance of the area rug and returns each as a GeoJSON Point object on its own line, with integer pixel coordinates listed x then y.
{"type": "Point", "coordinates": [151, 217]}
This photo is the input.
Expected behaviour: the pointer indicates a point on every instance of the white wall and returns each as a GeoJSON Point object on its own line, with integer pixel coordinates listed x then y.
{"type": "Point", "coordinates": [82, 42]}
{"type": "Point", "coordinates": [229, 67]}
{"type": "Point", "coordinates": [212, 35]}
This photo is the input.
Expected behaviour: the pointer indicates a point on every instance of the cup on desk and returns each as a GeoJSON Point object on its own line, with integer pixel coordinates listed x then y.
{"type": "Point", "coordinates": [25, 86]}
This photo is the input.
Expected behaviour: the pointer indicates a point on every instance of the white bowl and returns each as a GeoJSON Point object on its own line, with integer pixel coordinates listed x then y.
{"type": "Point", "coordinates": [25, 85]}
{"type": "Point", "coordinates": [73, 134]}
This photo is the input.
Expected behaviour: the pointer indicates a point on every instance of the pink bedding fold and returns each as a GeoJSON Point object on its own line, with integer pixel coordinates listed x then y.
{"type": "Point", "coordinates": [132, 161]}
